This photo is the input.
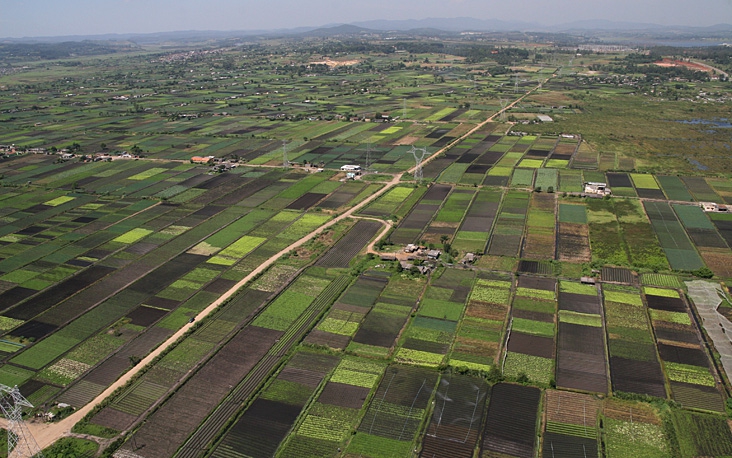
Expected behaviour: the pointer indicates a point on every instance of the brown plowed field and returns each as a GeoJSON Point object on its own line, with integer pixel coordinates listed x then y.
{"type": "Point", "coordinates": [571, 408]}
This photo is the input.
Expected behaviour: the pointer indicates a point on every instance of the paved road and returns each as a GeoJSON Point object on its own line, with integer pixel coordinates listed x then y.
{"type": "Point", "coordinates": [720, 71]}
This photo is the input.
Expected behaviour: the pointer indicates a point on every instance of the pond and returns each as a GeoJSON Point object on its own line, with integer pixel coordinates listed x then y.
{"type": "Point", "coordinates": [720, 123]}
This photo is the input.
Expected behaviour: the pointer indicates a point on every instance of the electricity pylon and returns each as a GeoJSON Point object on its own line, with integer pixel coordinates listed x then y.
{"type": "Point", "coordinates": [367, 168]}
{"type": "Point", "coordinates": [504, 104]}
{"type": "Point", "coordinates": [20, 441]}
{"type": "Point", "coordinates": [418, 158]}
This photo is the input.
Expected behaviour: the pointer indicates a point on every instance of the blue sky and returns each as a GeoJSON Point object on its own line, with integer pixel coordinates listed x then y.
{"type": "Point", "coordinates": [21, 18]}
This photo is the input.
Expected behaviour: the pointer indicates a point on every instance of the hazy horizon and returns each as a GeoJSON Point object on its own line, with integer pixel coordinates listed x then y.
{"type": "Point", "coordinates": [42, 18]}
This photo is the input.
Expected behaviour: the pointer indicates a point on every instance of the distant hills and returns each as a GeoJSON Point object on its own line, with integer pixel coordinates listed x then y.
{"type": "Point", "coordinates": [429, 26]}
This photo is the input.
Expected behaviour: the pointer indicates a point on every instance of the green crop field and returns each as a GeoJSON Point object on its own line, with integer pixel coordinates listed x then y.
{"type": "Point", "coordinates": [115, 242]}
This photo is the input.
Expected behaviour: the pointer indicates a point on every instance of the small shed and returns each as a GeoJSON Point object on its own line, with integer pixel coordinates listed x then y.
{"type": "Point", "coordinates": [202, 159]}
{"type": "Point", "coordinates": [469, 258]}
{"type": "Point", "coordinates": [597, 188]}
{"type": "Point", "coordinates": [709, 206]}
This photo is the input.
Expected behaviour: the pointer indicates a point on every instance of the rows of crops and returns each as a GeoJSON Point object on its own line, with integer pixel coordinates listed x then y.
{"type": "Point", "coordinates": [430, 334]}
{"type": "Point", "coordinates": [341, 354]}
{"type": "Point", "coordinates": [684, 359]}
{"type": "Point", "coordinates": [581, 352]}
{"type": "Point", "coordinates": [410, 229]}
{"type": "Point", "coordinates": [479, 336]}
{"type": "Point", "coordinates": [634, 365]}
{"type": "Point", "coordinates": [530, 346]}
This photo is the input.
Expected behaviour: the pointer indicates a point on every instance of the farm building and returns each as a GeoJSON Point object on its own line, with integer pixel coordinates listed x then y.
{"type": "Point", "coordinates": [469, 258]}
{"type": "Point", "coordinates": [350, 168]}
{"type": "Point", "coordinates": [411, 248]}
{"type": "Point", "coordinates": [597, 189]}
{"type": "Point", "coordinates": [202, 159]}
{"type": "Point", "coordinates": [713, 207]}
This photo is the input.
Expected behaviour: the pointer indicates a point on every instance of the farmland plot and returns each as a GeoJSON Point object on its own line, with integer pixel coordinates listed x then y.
{"type": "Point", "coordinates": [476, 226]}
{"type": "Point", "coordinates": [350, 245]}
{"type": "Point", "coordinates": [684, 360]}
{"type": "Point", "coordinates": [134, 400]}
{"type": "Point", "coordinates": [621, 184]}
{"type": "Point", "coordinates": [571, 425]}
{"type": "Point", "coordinates": [700, 189]}
{"type": "Point", "coordinates": [509, 230]}
{"type": "Point", "coordinates": [430, 334]}
{"type": "Point", "coordinates": [175, 420]}
{"type": "Point", "coordinates": [573, 234]}
{"type": "Point", "coordinates": [384, 322]}
{"type": "Point", "coordinates": [343, 320]}
{"type": "Point", "coordinates": [723, 223]}
{"type": "Point", "coordinates": [581, 362]}
{"type": "Point", "coordinates": [703, 233]}
{"type": "Point", "coordinates": [633, 430]}
{"type": "Point", "coordinates": [704, 435]}
{"type": "Point", "coordinates": [481, 329]}
{"type": "Point", "coordinates": [342, 196]}
{"type": "Point", "coordinates": [454, 430]}
{"type": "Point", "coordinates": [411, 228]}
{"type": "Point", "coordinates": [449, 217]}
{"type": "Point", "coordinates": [606, 238]}
{"type": "Point", "coordinates": [646, 186]}
{"type": "Point", "coordinates": [266, 423]}
{"type": "Point", "coordinates": [674, 188]}
{"type": "Point", "coordinates": [540, 227]}
{"type": "Point", "coordinates": [672, 237]}
{"type": "Point", "coordinates": [570, 181]}
{"type": "Point", "coordinates": [389, 203]}
{"type": "Point", "coordinates": [530, 346]}
{"type": "Point", "coordinates": [395, 411]}
{"type": "Point", "coordinates": [105, 313]}
{"type": "Point", "coordinates": [327, 424]}
{"type": "Point", "coordinates": [643, 249]}
{"type": "Point", "coordinates": [510, 428]}
{"type": "Point", "coordinates": [634, 366]}
{"type": "Point", "coordinates": [271, 344]}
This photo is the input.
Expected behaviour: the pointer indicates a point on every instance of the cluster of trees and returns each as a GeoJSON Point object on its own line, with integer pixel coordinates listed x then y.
{"type": "Point", "coordinates": [651, 72]}
{"type": "Point", "coordinates": [49, 51]}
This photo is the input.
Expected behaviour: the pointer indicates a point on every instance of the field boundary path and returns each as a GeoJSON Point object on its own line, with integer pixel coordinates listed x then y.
{"type": "Point", "coordinates": [46, 434]}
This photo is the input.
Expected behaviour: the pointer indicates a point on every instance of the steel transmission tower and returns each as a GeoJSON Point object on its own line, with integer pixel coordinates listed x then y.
{"type": "Point", "coordinates": [504, 104]}
{"type": "Point", "coordinates": [418, 157]}
{"type": "Point", "coordinates": [20, 441]}
{"type": "Point", "coordinates": [285, 162]}
{"type": "Point", "coordinates": [367, 169]}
